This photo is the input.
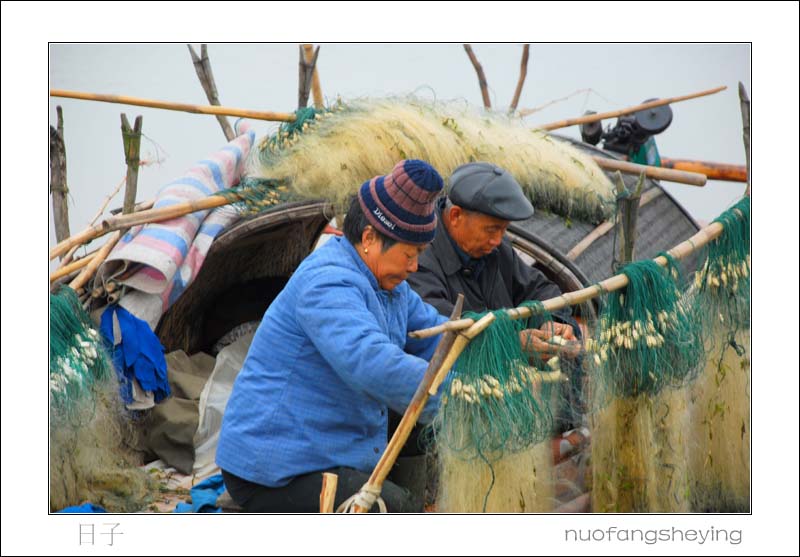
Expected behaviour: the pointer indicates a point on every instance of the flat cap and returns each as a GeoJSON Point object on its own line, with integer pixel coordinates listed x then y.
{"type": "Point", "coordinates": [486, 188]}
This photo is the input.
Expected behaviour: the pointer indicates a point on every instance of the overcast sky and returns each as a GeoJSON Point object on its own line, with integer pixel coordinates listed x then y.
{"type": "Point", "coordinates": [264, 77]}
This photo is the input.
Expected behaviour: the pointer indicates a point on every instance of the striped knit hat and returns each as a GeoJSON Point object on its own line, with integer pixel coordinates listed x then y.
{"type": "Point", "coordinates": [401, 204]}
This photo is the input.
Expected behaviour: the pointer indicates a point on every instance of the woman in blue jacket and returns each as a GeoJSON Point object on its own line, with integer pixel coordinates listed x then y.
{"type": "Point", "coordinates": [332, 356]}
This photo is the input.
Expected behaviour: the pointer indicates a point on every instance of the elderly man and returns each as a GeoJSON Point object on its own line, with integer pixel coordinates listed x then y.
{"type": "Point", "coordinates": [471, 256]}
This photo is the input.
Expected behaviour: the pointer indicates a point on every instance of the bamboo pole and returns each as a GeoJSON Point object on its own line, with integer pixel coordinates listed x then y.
{"type": "Point", "coordinates": [703, 237]}
{"type": "Point", "coordinates": [316, 88]}
{"type": "Point", "coordinates": [624, 111]}
{"type": "Point", "coordinates": [58, 178]}
{"type": "Point", "coordinates": [744, 103]}
{"type": "Point", "coordinates": [202, 66]}
{"type": "Point", "coordinates": [435, 367]}
{"type": "Point", "coordinates": [481, 76]}
{"type": "Point", "coordinates": [712, 170]}
{"type": "Point", "coordinates": [181, 107]}
{"type": "Point", "coordinates": [306, 76]}
{"type": "Point", "coordinates": [71, 267]}
{"type": "Point", "coordinates": [327, 495]}
{"type": "Point", "coordinates": [97, 259]}
{"type": "Point", "coordinates": [603, 228]}
{"type": "Point", "coordinates": [523, 72]}
{"type": "Point", "coordinates": [142, 217]}
{"type": "Point", "coordinates": [655, 172]}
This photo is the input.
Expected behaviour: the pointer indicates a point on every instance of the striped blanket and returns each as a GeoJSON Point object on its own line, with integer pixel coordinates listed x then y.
{"type": "Point", "coordinates": [163, 258]}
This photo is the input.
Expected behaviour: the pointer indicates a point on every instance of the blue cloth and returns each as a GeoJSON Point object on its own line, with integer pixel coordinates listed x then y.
{"type": "Point", "coordinates": [204, 497]}
{"type": "Point", "coordinates": [85, 508]}
{"type": "Point", "coordinates": [139, 354]}
{"type": "Point", "coordinates": [331, 355]}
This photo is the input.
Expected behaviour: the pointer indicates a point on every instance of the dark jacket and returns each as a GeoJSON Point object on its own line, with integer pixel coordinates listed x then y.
{"type": "Point", "coordinates": [504, 280]}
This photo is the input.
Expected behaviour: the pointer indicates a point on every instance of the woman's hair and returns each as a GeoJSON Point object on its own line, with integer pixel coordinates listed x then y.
{"type": "Point", "coordinates": [355, 222]}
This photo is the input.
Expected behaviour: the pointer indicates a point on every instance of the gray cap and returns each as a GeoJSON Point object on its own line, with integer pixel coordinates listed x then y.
{"type": "Point", "coordinates": [486, 188]}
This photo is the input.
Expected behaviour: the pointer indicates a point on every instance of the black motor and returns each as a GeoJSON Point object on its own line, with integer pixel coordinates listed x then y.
{"type": "Point", "coordinates": [631, 131]}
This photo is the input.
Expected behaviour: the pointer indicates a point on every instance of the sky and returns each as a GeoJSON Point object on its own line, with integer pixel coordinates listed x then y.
{"type": "Point", "coordinates": [600, 77]}
{"type": "Point", "coordinates": [694, 46]}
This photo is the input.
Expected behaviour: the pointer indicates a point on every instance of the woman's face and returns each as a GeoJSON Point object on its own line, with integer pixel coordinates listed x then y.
{"type": "Point", "coordinates": [390, 267]}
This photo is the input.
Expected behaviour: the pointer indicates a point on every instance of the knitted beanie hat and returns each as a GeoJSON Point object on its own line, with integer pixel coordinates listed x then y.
{"type": "Point", "coordinates": [401, 204]}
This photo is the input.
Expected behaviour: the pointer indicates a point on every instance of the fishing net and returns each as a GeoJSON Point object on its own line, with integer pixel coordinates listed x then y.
{"type": "Point", "coordinates": [646, 338]}
{"type": "Point", "coordinates": [328, 154]}
{"type": "Point", "coordinates": [89, 460]}
{"type": "Point", "coordinates": [649, 346]}
{"type": "Point", "coordinates": [78, 360]}
{"type": "Point", "coordinates": [499, 404]}
{"type": "Point", "coordinates": [720, 399]}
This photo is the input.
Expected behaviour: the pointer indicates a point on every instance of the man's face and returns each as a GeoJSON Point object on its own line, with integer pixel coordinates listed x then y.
{"type": "Point", "coordinates": [475, 233]}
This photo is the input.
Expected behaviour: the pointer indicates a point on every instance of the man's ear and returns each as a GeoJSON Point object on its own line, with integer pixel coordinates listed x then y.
{"type": "Point", "coordinates": [456, 214]}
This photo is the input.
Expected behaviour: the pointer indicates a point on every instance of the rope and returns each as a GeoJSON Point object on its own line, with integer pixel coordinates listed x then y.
{"type": "Point", "coordinates": [366, 497]}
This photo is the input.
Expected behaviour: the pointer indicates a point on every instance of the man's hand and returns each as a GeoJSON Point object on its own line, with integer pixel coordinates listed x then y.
{"type": "Point", "coordinates": [541, 341]}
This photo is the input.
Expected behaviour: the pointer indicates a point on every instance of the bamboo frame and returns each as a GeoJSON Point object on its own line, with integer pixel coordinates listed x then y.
{"type": "Point", "coordinates": [95, 262]}
{"type": "Point", "coordinates": [624, 111]}
{"type": "Point", "coordinates": [435, 367]}
{"type": "Point", "coordinates": [180, 107]}
{"type": "Point", "coordinates": [655, 172]}
{"type": "Point", "coordinates": [142, 217]}
{"type": "Point", "coordinates": [703, 237]}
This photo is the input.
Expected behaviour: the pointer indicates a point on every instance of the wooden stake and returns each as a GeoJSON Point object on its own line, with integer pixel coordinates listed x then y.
{"type": "Point", "coordinates": [656, 172]}
{"type": "Point", "coordinates": [615, 113]}
{"type": "Point", "coordinates": [481, 77]}
{"type": "Point", "coordinates": [316, 88]}
{"type": "Point", "coordinates": [628, 215]}
{"type": "Point", "coordinates": [744, 102]}
{"type": "Point", "coordinates": [712, 170]}
{"type": "Point", "coordinates": [327, 495]}
{"type": "Point", "coordinates": [603, 228]}
{"type": "Point", "coordinates": [202, 66]}
{"type": "Point", "coordinates": [306, 77]}
{"type": "Point", "coordinates": [703, 237]}
{"type": "Point", "coordinates": [131, 140]}
{"type": "Point", "coordinates": [58, 178]}
{"type": "Point", "coordinates": [523, 72]}
{"type": "Point", "coordinates": [181, 107]}
{"type": "Point", "coordinates": [415, 407]}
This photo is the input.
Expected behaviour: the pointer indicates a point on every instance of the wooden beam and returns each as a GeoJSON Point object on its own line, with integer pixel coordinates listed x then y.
{"type": "Point", "coordinates": [523, 72]}
{"type": "Point", "coordinates": [481, 76]}
{"type": "Point", "coordinates": [202, 66]}
{"type": "Point", "coordinates": [58, 178]}
{"type": "Point", "coordinates": [131, 141]}
{"type": "Point", "coordinates": [744, 102]}
{"type": "Point", "coordinates": [655, 172]}
{"type": "Point", "coordinates": [305, 77]}
{"type": "Point", "coordinates": [712, 170]}
{"type": "Point", "coordinates": [316, 88]}
{"type": "Point", "coordinates": [180, 107]}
